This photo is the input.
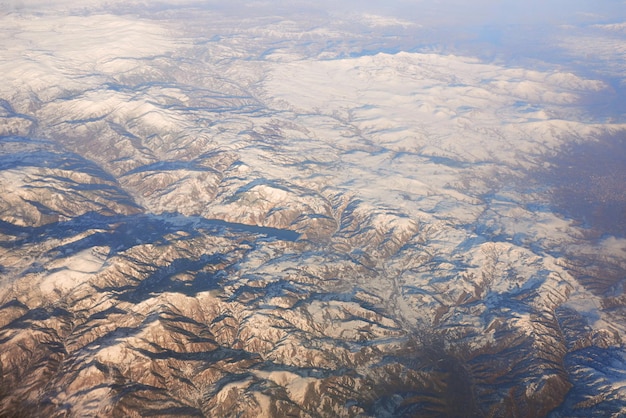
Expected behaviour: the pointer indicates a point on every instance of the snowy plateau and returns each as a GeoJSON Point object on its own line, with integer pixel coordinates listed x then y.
{"type": "Point", "coordinates": [264, 210]}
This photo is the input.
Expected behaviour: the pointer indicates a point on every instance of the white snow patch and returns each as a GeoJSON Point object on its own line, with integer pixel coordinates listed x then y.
{"type": "Point", "coordinates": [74, 270]}
{"type": "Point", "coordinates": [296, 385]}
{"type": "Point", "coordinates": [384, 21]}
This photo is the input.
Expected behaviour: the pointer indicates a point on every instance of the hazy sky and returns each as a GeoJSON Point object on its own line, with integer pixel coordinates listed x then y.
{"type": "Point", "coordinates": [480, 11]}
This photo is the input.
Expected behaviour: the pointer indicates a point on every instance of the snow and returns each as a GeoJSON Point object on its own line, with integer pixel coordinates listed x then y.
{"type": "Point", "coordinates": [613, 247]}
{"type": "Point", "coordinates": [55, 54]}
{"type": "Point", "coordinates": [74, 270]}
{"type": "Point", "coordinates": [296, 385]}
{"type": "Point", "coordinates": [227, 389]}
{"type": "Point", "coordinates": [590, 307]}
{"type": "Point", "coordinates": [375, 20]}
{"type": "Point", "coordinates": [410, 162]}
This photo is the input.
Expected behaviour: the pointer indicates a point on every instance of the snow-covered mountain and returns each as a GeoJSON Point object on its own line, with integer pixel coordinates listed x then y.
{"type": "Point", "coordinates": [214, 211]}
